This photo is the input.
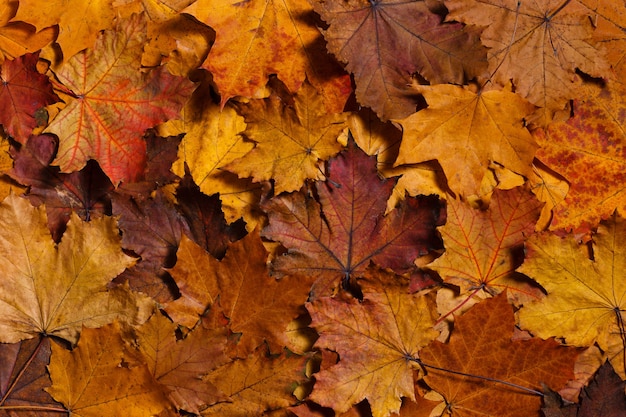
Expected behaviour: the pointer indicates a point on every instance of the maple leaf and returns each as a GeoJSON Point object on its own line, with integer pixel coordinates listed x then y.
{"type": "Point", "coordinates": [23, 378]}
{"type": "Point", "coordinates": [539, 45]}
{"type": "Point", "coordinates": [333, 238]}
{"type": "Point", "coordinates": [389, 327]}
{"type": "Point", "coordinates": [384, 42]}
{"type": "Point", "coordinates": [257, 384]}
{"type": "Point", "coordinates": [241, 275]}
{"type": "Point", "coordinates": [465, 131]}
{"type": "Point", "coordinates": [152, 229]}
{"type": "Point", "coordinates": [22, 92]}
{"type": "Point", "coordinates": [179, 365]}
{"type": "Point", "coordinates": [85, 192]}
{"type": "Point", "coordinates": [19, 38]}
{"type": "Point", "coordinates": [55, 290]}
{"type": "Point", "coordinates": [292, 141]}
{"type": "Point", "coordinates": [585, 296]}
{"type": "Point", "coordinates": [113, 104]}
{"type": "Point", "coordinates": [481, 345]}
{"type": "Point", "coordinates": [483, 246]}
{"type": "Point", "coordinates": [262, 37]}
{"type": "Point", "coordinates": [590, 142]}
{"type": "Point", "coordinates": [79, 22]}
{"type": "Point", "coordinates": [101, 376]}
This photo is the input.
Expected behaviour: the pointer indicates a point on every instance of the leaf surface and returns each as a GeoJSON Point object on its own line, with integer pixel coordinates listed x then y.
{"type": "Point", "coordinates": [375, 340]}
{"type": "Point", "coordinates": [481, 345]}
{"type": "Point", "coordinates": [586, 297]}
{"type": "Point", "coordinates": [114, 103]}
{"type": "Point", "coordinates": [257, 384]}
{"type": "Point", "coordinates": [292, 141]}
{"type": "Point", "coordinates": [56, 289]}
{"type": "Point", "coordinates": [466, 131]}
{"type": "Point", "coordinates": [23, 91]}
{"type": "Point", "coordinates": [384, 42]}
{"type": "Point", "coordinates": [334, 237]}
{"type": "Point", "coordinates": [102, 377]}
{"type": "Point", "coordinates": [589, 151]}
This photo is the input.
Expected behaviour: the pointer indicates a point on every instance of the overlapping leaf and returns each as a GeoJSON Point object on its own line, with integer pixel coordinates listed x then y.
{"type": "Point", "coordinates": [114, 103]}
{"type": "Point", "coordinates": [375, 340]}
{"type": "Point", "coordinates": [384, 42]}
{"type": "Point", "coordinates": [19, 38]}
{"type": "Point", "coordinates": [466, 131]}
{"type": "Point", "coordinates": [333, 238]}
{"type": "Point", "coordinates": [292, 141]}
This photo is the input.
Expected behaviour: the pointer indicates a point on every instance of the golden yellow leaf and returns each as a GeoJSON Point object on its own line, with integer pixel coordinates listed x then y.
{"type": "Point", "coordinates": [102, 377]}
{"type": "Point", "coordinates": [292, 141]}
{"type": "Point", "coordinates": [56, 289]}
{"type": "Point", "coordinates": [586, 296]}
{"type": "Point", "coordinates": [79, 21]}
{"type": "Point", "coordinates": [466, 131]}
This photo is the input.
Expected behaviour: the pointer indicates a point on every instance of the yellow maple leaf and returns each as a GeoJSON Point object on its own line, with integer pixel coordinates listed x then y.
{"type": "Point", "coordinates": [586, 296]}
{"type": "Point", "coordinates": [466, 131]}
{"type": "Point", "coordinates": [56, 289]}
{"type": "Point", "coordinates": [79, 21]}
{"type": "Point", "coordinates": [101, 377]}
{"type": "Point", "coordinates": [291, 141]}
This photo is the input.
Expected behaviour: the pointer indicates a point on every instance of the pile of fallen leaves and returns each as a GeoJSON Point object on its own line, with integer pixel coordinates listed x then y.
{"type": "Point", "coordinates": [312, 208]}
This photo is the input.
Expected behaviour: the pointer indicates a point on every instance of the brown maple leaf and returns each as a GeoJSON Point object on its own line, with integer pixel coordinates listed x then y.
{"type": "Point", "coordinates": [539, 45]}
{"type": "Point", "coordinates": [384, 42]}
{"type": "Point", "coordinates": [332, 238]}
{"type": "Point", "coordinates": [180, 364]}
{"type": "Point", "coordinates": [481, 345]}
{"type": "Point", "coordinates": [112, 103]}
{"type": "Point", "coordinates": [241, 275]}
{"type": "Point", "coordinates": [23, 91]}
{"type": "Point", "coordinates": [23, 379]}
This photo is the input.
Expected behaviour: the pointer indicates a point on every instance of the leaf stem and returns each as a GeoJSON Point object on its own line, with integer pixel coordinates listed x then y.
{"type": "Point", "coordinates": [469, 297]}
{"type": "Point", "coordinates": [484, 378]}
{"type": "Point", "coordinates": [33, 408]}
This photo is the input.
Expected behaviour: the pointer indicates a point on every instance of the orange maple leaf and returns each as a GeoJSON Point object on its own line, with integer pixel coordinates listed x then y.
{"type": "Point", "coordinates": [483, 246]}
{"type": "Point", "coordinates": [588, 151]}
{"type": "Point", "coordinates": [292, 141]}
{"type": "Point", "coordinates": [539, 45]}
{"type": "Point", "coordinates": [384, 42]}
{"type": "Point", "coordinates": [257, 38]}
{"type": "Point", "coordinates": [481, 345]}
{"type": "Point", "coordinates": [19, 38]}
{"type": "Point", "coordinates": [114, 103]}
{"type": "Point", "coordinates": [333, 237]}
{"type": "Point", "coordinates": [375, 339]}
{"type": "Point", "coordinates": [465, 132]}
